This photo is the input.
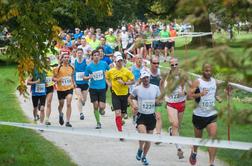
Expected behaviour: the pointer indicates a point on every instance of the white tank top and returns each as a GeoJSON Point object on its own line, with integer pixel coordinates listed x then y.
{"type": "Point", "coordinates": [176, 96]}
{"type": "Point", "coordinates": [206, 106]}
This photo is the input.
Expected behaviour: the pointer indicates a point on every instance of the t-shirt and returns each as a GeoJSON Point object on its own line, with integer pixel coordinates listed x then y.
{"type": "Point", "coordinates": [80, 71]}
{"type": "Point", "coordinates": [64, 73]}
{"type": "Point", "coordinates": [98, 70]}
{"type": "Point", "coordinates": [164, 34]}
{"type": "Point", "coordinates": [146, 98]}
{"type": "Point", "coordinates": [125, 75]}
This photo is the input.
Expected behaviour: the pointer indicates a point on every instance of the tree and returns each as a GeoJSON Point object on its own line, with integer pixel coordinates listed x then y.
{"type": "Point", "coordinates": [34, 26]}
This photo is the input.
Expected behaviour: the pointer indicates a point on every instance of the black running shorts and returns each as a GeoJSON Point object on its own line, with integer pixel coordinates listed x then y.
{"type": "Point", "coordinates": [148, 120]}
{"type": "Point", "coordinates": [202, 122]}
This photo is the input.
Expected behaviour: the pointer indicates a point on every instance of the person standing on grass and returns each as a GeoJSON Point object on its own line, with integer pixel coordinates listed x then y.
{"type": "Point", "coordinates": [95, 71]}
{"type": "Point", "coordinates": [204, 115]}
{"type": "Point", "coordinates": [146, 95]}
{"type": "Point", "coordinates": [119, 78]}
{"type": "Point", "coordinates": [81, 84]}
{"type": "Point", "coordinates": [38, 90]}
{"type": "Point", "coordinates": [63, 75]}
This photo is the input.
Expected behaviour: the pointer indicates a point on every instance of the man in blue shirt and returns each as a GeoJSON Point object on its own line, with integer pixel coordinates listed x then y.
{"type": "Point", "coordinates": [95, 72]}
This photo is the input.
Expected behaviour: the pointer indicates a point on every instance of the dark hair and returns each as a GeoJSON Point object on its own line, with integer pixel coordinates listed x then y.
{"type": "Point", "coordinates": [95, 51]}
{"type": "Point", "coordinates": [79, 49]}
{"type": "Point", "coordinates": [100, 48]}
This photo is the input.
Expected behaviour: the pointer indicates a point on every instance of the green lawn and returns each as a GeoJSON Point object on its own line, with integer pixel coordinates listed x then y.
{"type": "Point", "coordinates": [22, 146]}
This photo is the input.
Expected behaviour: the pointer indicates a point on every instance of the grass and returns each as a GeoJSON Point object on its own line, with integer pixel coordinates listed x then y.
{"type": "Point", "coordinates": [239, 132]}
{"type": "Point", "coordinates": [22, 146]}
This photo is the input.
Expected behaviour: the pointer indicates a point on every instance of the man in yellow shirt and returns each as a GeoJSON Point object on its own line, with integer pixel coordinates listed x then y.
{"type": "Point", "coordinates": [118, 78]}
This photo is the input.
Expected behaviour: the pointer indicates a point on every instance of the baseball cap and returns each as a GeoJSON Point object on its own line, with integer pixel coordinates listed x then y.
{"type": "Point", "coordinates": [144, 74]}
{"type": "Point", "coordinates": [119, 58]}
{"type": "Point", "coordinates": [117, 53]}
{"type": "Point", "coordinates": [124, 28]}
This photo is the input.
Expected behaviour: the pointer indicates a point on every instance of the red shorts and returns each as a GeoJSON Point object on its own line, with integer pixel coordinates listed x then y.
{"type": "Point", "coordinates": [178, 106]}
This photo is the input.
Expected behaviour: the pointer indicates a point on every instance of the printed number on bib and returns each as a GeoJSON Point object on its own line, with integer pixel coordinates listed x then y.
{"type": "Point", "coordinates": [66, 81]}
{"type": "Point", "coordinates": [148, 106]}
{"type": "Point", "coordinates": [48, 80]}
{"type": "Point", "coordinates": [208, 104]}
{"type": "Point", "coordinates": [40, 88]}
{"type": "Point", "coordinates": [98, 75]}
{"type": "Point", "coordinates": [79, 76]}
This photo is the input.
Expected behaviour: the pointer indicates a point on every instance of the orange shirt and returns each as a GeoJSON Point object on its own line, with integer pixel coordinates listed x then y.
{"type": "Point", "coordinates": [173, 33]}
{"type": "Point", "coordinates": [65, 76]}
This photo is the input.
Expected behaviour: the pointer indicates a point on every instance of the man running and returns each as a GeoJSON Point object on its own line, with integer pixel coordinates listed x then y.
{"type": "Point", "coordinates": [96, 73]}
{"type": "Point", "coordinates": [204, 115]}
{"type": "Point", "coordinates": [156, 79]}
{"type": "Point", "coordinates": [81, 84]}
{"type": "Point", "coordinates": [118, 78]}
{"type": "Point", "coordinates": [146, 95]}
{"type": "Point", "coordinates": [63, 75]}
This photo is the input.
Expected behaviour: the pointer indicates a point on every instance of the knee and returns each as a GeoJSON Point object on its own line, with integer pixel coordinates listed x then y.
{"type": "Point", "coordinates": [175, 124]}
{"type": "Point", "coordinates": [69, 105]}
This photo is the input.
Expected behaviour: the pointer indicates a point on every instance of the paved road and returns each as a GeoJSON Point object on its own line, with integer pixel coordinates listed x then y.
{"type": "Point", "coordinates": [92, 151]}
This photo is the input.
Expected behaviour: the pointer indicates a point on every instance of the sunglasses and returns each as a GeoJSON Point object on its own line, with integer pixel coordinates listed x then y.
{"type": "Point", "coordinates": [172, 65]}
{"type": "Point", "coordinates": [155, 63]}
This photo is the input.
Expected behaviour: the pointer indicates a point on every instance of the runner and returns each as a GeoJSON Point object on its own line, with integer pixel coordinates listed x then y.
{"type": "Point", "coordinates": [38, 90]}
{"type": "Point", "coordinates": [82, 85]}
{"type": "Point", "coordinates": [118, 78]}
{"type": "Point", "coordinates": [205, 114]}
{"type": "Point", "coordinates": [49, 91]}
{"type": "Point", "coordinates": [176, 101]}
{"type": "Point", "coordinates": [95, 71]}
{"type": "Point", "coordinates": [156, 79]}
{"type": "Point", "coordinates": [146, 95]}
{"type": "Point", "coordinates": [63, 75]}
{"type": "Point", "coordinates": [163, 45]}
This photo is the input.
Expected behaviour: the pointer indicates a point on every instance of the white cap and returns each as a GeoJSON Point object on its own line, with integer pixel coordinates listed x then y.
{"type": "Point", "coordinates": [119, 58]}
{"type": "Point", "coordinates": [110, 29]}
{"type": "Point", "coordinates": [124, 28]}
{"type": "Point", "coordinates": [144, 74]}
{"type": "Point", "coordinates": [117, 53]}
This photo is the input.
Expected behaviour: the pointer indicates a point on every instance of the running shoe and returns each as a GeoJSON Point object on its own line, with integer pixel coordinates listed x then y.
{"type": "Point", "coordinates": [170, 131]}
{"type": "Point", "coordinates": [121, 139]}
{"type": "Point", "coordinates": [82, 116]}
{"type": "Point", "coordinates": [68, 124]}
{"type": "Point", "coordinates": [102, 112]}
{"type": "Point", "coordinates": [98, 126]}
{"type": "Point", "coordinates": [180, 154]}
{"type": "Point", "coordinates": [61, 119]}
{"type": "Point", "coordinates": [47, 123]}
{"type": "Point", "coordinates": [139, 154]}
{"type": "Point", "coordinates": [193, 158]}
{"type": "Point", "coordinates": [125, 116]}
{"type": "Point", "coordinates": [134, 119]}
{"type": "Point", "coordinates": [144, 161]}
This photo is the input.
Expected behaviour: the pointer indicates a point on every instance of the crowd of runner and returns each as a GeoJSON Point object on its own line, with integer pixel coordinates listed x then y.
{"type": "Point", "coordinates": [93, 62]}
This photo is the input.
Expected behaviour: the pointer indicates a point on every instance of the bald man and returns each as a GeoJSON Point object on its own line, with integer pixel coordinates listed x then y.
{"type": "Point", "coordinates": [203, 90]}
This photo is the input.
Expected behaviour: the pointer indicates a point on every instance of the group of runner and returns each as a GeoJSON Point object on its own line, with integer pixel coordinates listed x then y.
{"type": "Point", "coordinates": [91, 64]}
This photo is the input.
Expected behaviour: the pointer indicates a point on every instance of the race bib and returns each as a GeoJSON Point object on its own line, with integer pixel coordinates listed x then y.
{"type": "Point", "coordinates": [148, 106]}
{"type": "Point", "coordinates": [79, 76]}
{"type": "Point", "coordinates": [40, 88]}
{"type": "Point", "coordinates": [174, 96]}
{"type": "Point", "coordinates": [48, 80]}
{"type": "Point", "coordinates": [208, 105]}
{"type": "Point", "coordinates": [98, 75]}
{"type": "Point", "coordinates": [66, 81]}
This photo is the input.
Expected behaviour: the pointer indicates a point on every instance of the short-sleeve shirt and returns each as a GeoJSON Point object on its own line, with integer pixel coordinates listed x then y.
{"type": "Point", "coordinates": [98, 70]}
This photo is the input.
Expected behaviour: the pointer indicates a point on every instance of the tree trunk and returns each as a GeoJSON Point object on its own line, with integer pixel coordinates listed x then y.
{"type": "Point", "coordinates": [203, 41]}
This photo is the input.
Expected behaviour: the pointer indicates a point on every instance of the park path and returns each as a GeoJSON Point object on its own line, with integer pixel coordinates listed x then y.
{"type": "Point", "coordinates": [97, 151]}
